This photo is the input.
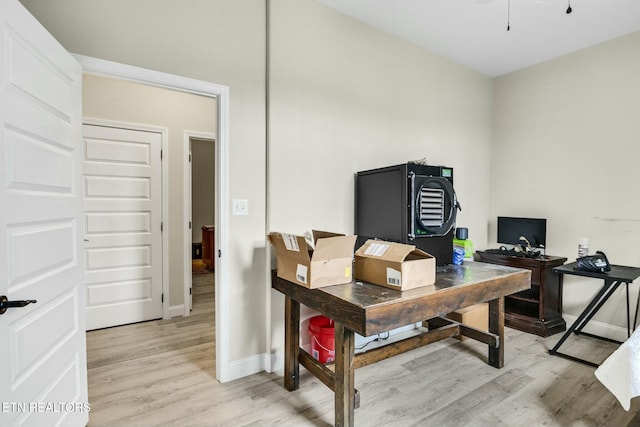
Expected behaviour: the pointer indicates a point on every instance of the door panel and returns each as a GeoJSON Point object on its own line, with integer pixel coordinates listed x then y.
{"type": "Point", "coordinates": [122, 220]}
{"type": "Point", "coordinates": [52, 243]}
{"type": "Point", "coordinates": [43, 357]}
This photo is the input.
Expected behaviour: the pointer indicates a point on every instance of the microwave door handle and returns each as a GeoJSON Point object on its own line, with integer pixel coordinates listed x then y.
{"type": "Point", "coordinates": [412, 201]}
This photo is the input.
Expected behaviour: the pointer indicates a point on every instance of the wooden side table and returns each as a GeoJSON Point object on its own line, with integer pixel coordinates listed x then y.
{"type": "Point", "coordinates": [208, 248]}
{"type": "Point", "coordinates": [537, 310]}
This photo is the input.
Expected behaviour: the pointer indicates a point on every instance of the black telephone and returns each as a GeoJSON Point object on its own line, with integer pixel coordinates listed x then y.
{"type": "Point", "coordinates": [597, 263]}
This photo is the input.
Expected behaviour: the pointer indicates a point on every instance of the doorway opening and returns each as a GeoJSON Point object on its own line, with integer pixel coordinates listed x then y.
{"type": "Point", "coordinates": [221, 95]}
{"type": "Point", "coordinates": [200, 185]}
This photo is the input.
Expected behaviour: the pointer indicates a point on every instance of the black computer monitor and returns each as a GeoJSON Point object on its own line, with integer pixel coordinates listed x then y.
{"type": "Point", "coordinates": [510, 229]}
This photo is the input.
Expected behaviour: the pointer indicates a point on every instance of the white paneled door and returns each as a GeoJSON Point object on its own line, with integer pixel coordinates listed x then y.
{"type": "Point", "coordinates": [43, 376]}
{"type": "Point", "coordinates": [122, 225]}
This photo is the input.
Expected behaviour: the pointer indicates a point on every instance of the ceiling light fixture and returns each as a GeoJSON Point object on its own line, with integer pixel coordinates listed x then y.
{"type": "Point", "coordinates": [569, 10]}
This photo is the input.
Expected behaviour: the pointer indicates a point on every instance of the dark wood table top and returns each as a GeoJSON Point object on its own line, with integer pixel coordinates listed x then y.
{"type": "Point", "coordinates": [522, 262]}
{"type": "Point", "coordinates": [368, 309]}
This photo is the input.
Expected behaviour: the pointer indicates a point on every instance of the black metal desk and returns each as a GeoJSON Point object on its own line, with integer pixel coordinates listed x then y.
{"type": "Point", "coordinates": [612, 280]}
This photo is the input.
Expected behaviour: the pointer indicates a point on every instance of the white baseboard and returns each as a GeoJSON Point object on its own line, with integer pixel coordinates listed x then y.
{"type": "Point", "coordinates": [176, 310]}
{"type": "Point", "coordinates": [599, 328]}
{"type": "Point", "coordinates": [238, 368]}
{"type": "Point", "coordinates": [275, 362]}
{"type": "Point", "coordinates": [248, 366]}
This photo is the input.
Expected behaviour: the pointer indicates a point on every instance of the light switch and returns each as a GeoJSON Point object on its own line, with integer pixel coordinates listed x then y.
{"type": "Point", "coordinates": [240, 207]}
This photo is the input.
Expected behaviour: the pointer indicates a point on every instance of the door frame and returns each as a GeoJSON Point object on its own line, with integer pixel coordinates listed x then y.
{"type": "Point", "coordinates": [188, 204]}
{"type": "Point", "coordinates": [220, 93]}
{"type": "Point", "coordinates": [164, 135]}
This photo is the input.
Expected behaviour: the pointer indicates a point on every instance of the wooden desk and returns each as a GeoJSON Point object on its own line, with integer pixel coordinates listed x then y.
{"type": "Point", "coordinates": [368, 309]}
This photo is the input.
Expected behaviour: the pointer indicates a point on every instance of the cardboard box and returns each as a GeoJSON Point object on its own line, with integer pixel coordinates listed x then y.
{"type": "Point", "coordinates": [476, 316]}
{"type": "Point", "coordinates": [394, 265]}
{"type": "Point", "coordinates": [330, 263]}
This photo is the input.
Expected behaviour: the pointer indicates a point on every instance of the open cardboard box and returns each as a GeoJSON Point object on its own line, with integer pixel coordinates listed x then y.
{"type": "Point", "coordinates": [476, 316]}
{"type": "Point", "coordinates": [394, 265]}
{"type": "Point", "coordinates": [329, 263]}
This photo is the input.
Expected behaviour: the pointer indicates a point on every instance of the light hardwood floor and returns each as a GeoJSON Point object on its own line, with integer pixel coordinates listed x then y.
{"type": "Point", "coordinates": [162, 373]}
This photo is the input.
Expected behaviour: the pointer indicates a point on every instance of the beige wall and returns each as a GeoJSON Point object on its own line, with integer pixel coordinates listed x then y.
{"type": "Point", "coordinates": [219, 41]}
{"type": "Point", "coordinates": [129, 102]}
{"type": "Point", "coordinates": [345, 97]}
{"type": "Point", "coordinates": [566, 147]}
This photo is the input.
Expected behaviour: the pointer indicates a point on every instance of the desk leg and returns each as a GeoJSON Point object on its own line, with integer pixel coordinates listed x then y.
{"type": "Point", "coordinates": [592, 308]}
{"type": "Point", "coordinates": [344, 376]}
{"type": "Point", "coordinates": [608, 289]}
{"type": "Point", "coordinates": [291, 344]}
{"type": "Point", "coordinates": [496, 326]}
{"type": "Point", "coordinates": [628, 315]}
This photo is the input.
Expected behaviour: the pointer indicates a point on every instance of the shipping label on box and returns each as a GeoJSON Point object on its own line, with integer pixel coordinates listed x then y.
{"type": "Point", "coordinates": [394, 265]}
{"type": "Point", "coordinates": [329, 263]}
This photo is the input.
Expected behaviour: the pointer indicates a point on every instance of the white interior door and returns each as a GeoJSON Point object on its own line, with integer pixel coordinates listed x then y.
{"type": "Point", "coordinates": [43, 376]}
{"type": "Point", "coordinates": [122, 225]}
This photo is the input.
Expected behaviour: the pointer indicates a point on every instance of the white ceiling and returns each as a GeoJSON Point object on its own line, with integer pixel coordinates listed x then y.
{"type": "Point", "coordinates": [474, 32]}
